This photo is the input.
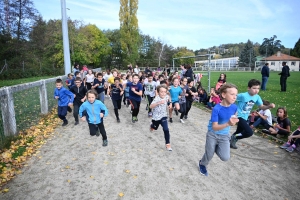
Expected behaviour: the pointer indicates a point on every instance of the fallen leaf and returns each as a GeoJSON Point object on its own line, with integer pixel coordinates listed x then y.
{"type": "Point", "coordinates": [171, 169]}
{"type": "Point", "coordinates": [275, 152]}
{"type": "Point", "coordinates": [106, 162]}
{"type": "Point", "coordinates": [94, 153]}
{"type": "Point", "coordinates": [67, 167]}
{"type": "Point", "coordinates": [127, 171]}
{"type": "Point", "coordinates": [69, 181]}
{"type": "Point", "coordinates": [121, 194]}
{"type": "Point", "coordinates": [274, 165]}
{"type": "Point", "coordinates": [134, 177]}
{"type": "Point", "coordinates": [5, 190]}
{"type": "Point", "coordinates": [91, 176]}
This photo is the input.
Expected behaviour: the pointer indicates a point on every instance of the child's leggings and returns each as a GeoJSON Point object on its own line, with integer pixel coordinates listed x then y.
{"type": "Point", "coordinates": [94, 128]}
{"type": "Point", "coordinates": [243, 128]}
{"type": "Point", "coordinates": [164, 123]}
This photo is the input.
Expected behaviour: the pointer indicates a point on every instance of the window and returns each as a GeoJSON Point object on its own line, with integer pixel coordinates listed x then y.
{"type": "Point", "coordinates": [273, 63]}
{"type": "Point", "coordinates": [293, 63]}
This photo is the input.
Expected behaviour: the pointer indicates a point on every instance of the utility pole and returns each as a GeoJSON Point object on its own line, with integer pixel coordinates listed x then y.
{"type": "Point", "coordinates": [64, 22]}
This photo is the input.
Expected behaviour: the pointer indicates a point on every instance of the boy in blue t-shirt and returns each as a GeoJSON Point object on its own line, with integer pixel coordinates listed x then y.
{"type": "Point", "coordinates": [135, 94]}
{"type": "Point", "coordinates": [222, 117]}
{"type": "Point", "coordinates": [245, 103]}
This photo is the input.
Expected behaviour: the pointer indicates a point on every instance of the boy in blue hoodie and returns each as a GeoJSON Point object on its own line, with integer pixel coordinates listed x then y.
{"type": "Point", "coordinates": [65, 98]}
{"type": "Point", "coordinates": [96, 110]}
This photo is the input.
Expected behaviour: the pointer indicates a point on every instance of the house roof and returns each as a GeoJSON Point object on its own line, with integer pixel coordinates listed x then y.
{"type": "Point", "coordinates": [281, 57]}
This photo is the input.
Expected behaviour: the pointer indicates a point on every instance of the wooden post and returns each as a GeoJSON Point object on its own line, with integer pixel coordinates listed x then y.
{"type": "Point", "coordinates": [43, 97]}
{"type": "Point", "coordinates": [8, 113]}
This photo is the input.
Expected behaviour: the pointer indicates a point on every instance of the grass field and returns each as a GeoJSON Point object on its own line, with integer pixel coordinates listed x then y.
{"type": "Point", "coordinates": [289, 99]}
{"type": "Point", "coordinates": [22, 80]}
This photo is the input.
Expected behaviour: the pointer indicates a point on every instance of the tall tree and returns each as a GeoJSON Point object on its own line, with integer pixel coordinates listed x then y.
{"type": "Point", "coordinates": [184, 52]}
{"type": "Point", "coordinates": [129, 30]}
{"type": "Point", "coordinates": [296, 50]}
{"type": "Point", "coordinates": [270, 46]}
{"type": "Point", "coordinates": [247, 56]}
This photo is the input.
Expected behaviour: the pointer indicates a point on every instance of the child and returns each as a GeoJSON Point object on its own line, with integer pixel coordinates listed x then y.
{"type": "Point", "coordinates": [135, 94]}
{"type": "Point", "coordinates": [116, 96]}
{"type": "Point", "coordinates": [263, 117]}
{"type": "Point", "coordinates": [283, 126]}
{"type": "Point", "coordinates": [182, 100]}
{"type": "Point", "coordinates": [149, 86]}
{"type": "Point", "coordinates": [222, 117]}
{"type": "Point", "coordinates": [96, 110]}
{"type": "Point", "coordinates": [159, 116]}
{"type": "Point", "coordinates": [99, 85]}
{"type": "Point", "coordinates": [202, 95]}
{"type": "Point", "coordinates": [214, 99]}
{"type": "Point", "coordinates": [190, 98]}
{"type": "Point", "coordinates": [65, 98]}
{"type": "Point", "coordinates": [89, 79]}
{"type": "Point", "coordinates": [245, 102]}
{"type": "Point", "coordinates": [221, 81]}
{"type": "Point", "coordinates": [79, 92]}
{"type": "Point", "coordinates": [175, 91]}
{"type": "Point", "coordinates": [70, 80]}
{"type": "Point", "coordinates": [124, 81]}
{"type": "Point", "coordinates": [293, 141]}
{"type": "Point", "coordinates": [126, 90]}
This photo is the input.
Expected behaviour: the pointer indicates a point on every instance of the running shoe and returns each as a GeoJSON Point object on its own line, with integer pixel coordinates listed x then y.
{"type": "Point", "coordinates": [76, 123]}
{"type": "Point", "coordinates": [105, 142]}
{"type": "Point", "coordinates": [181, 121]}
{"type": "Point", "coordinates": [185, 116]}
{"type": "Point", "coordinates": [168, 147]}
{"type": "Point", "coordinates": [118, 120]}
{"type": "Point", "coordinates": [202, 169]}
{"type": "Point", "coordinates": [285, 145]}
{"type": "Point", "coordinates": [290, 149]}
{"type": "Point", "coordinates": [151, 129]}
{"type": "Point", "coordinates": [233, 142]}
{"type": "Point", "coordinates": [171, 120]}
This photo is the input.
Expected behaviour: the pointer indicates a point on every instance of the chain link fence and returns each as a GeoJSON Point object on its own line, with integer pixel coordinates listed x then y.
{"type": "Point", "coordinates": [22, 106]}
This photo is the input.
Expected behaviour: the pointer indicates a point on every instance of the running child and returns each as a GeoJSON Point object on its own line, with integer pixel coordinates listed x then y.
{"type": "Point", "coordinates": [182, 99]}
{"type": "Point", "coordinates": [245, 103]}
{"type": "Point", "coordinates": [79, 92]}
{"type": "Point", "coordinates": [65, 98]}
{"type": "Point", "coordinates": [135, 94]}
{"type": "Point", "coordinates": [149, 86]}
{"type": "Point", "coordinates": [96, 110]}
{"type": "Point", "coordinates": [192, 92]}
{"type": "Point", "coordinates": [175, 91]}
{"type": "Point", "coordinates": [217, 138]}
{"type": "Point", "coordinates": [99, 85]}
{"type": "Point", "coordinates": [116, 96]}
{"type": "Point", "coordinates": [159, 113]}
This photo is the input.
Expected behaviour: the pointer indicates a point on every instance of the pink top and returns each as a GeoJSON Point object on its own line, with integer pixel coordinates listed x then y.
{"type": "Point", "coordinates": [216, 99]}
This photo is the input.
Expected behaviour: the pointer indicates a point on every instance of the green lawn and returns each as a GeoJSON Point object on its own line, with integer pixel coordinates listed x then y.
{"type": "Point", "coordinates": [22, 80]}
{"type": "Point", "coordinates": [289, 99]}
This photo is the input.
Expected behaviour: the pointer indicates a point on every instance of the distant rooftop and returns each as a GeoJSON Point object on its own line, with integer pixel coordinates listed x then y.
{"type": "Point", "coordinates": [281, 57]}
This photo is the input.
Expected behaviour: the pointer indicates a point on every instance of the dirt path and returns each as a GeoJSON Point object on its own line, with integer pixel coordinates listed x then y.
{"type": "Point", "coordinates": [73, 165]}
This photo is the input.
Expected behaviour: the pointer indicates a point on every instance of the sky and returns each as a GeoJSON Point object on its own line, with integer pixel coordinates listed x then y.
{"type": "Point", "coordinates": [193, 24]}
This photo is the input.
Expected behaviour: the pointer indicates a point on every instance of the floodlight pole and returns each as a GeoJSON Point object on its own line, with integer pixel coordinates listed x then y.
{"type": "Point", "coordinates": [64, 22]}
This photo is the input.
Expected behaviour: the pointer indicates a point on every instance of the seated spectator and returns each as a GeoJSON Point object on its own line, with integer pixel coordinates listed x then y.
{"type": "Point", "coordinates": [263, 117]}
{"type": "Point", "coordinates": [293, 141]}
{"type": "Point", "coordinates": [202, 96]}
{"type": "Point", "coordinates": [214, 99]}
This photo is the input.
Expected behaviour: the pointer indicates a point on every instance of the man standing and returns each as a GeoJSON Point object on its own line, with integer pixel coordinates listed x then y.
{"type": "Point", "coordinates": [265, 75]}
{"type": "Point", "coordinates": [285, 72]}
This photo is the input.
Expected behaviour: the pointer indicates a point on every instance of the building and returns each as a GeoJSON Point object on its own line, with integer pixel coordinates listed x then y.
{"type": "Point", "coordinates": [275, 61]}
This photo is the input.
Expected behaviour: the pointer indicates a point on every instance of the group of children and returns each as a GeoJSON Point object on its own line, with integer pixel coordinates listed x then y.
{"type": "Point", "coordinates": [175, 94]}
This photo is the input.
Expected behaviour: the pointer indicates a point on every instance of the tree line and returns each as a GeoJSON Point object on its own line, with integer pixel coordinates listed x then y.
{"type": "Point", "coordinates": [27, 39]}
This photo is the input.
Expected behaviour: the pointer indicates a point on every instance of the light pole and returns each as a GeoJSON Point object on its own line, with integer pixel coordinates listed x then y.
{"type": "Point", "coordinates": [67, 60]}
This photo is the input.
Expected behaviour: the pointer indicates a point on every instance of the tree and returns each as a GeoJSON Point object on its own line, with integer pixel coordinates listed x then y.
{"type": "Point", "coordinates": [184, 52]}
{"type": "Point", "coordinates": [129, 30]}
{"type": "Point", "coordinates": [247, 56]}
{"type": "Point", "coordinates": [296, 50]}
{"type": "Point", "coordinates": [270, 46]}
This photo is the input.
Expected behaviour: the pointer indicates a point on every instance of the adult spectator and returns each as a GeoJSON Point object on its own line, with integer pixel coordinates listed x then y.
{"type": "Point", "coordinates": [167, 69]}
{"type": "Point", "coordinates": [189, 72]}
{"type": "Point", "coordinates": [265, 71]}
{"type": "Point", "coordinates": [148, 71]}
{"type": "Point", "coordinates": [130, 68]}
{"type": "Point", "coordinates": [183, 70]}
{"type": "Point", "coordinates": [136, 69]}
{"type": "Point", "coordinates": [284, 74]}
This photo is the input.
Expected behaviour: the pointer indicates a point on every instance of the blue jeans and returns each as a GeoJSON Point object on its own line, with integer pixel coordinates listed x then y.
{"type": "Point", "coordinates": [262, 122]}
{"type": "Point", "coordinates": [164, 123]}
{"type": "Point", "coordinates": [216, 143]}
{"type": "Point", "coordinates": [264, 82]}
{"type": "Point", "coordinates": [101, 96]}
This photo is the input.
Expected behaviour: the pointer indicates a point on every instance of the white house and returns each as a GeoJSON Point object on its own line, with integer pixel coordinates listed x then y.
{"type": "Point", "coordinates": [275, 61]}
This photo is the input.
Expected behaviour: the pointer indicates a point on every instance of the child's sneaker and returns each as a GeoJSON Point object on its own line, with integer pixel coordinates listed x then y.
{"type": "Point", "coordinates": [181, 121]}
{"type": "Point", "coordinates": [185, 116]}
{"type": "Point", "coordinates": [105, 142]}
{"type": "Point", "coordinates": [285, 145]}
{"type": "Point", "coordinates": [65, 123]}
{"type": "Point", "coordinates": [133, 119]}
{"type": "Point", "coordinates": [291, 148]}
{"type": "Point", "coordinates": [150, 114]}
{"type": "Point", "coordinates": [168, 147]}
{"type": "Point", "coordinates": [202, 169]}
{"type": "Point", "coordinates": [233, 141]}
{"type": "Point", "coordinates": [171, 120]}
{"type": "Point", "coordinates": [151, 129]}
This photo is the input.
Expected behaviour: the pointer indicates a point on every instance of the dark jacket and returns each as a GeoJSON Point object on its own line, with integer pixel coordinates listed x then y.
{"type": "Point", "coordinates": [265, 71]}
{"type": "Point", "coordinates": [285, 72]}
{"type": "Point", "coordinates": [189, 74]}
{"type": "Point", "coordinates": [80, 93]}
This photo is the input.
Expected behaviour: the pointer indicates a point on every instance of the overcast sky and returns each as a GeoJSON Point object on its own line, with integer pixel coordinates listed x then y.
{"type": "Point", "coordinates": [194, 24]}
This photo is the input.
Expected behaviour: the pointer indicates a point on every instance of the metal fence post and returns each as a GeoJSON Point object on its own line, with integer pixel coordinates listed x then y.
{"type": "Point", "coordinates": [8, 113]}
{"type": "Point", "coordinates": [43, 97]}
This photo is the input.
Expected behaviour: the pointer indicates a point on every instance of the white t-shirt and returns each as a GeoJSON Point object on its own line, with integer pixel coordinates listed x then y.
{"type": "Point", "coordinates": [268, 114]}
{"type": "Point", "coordinates": [90, 78]}
{"type": "Point", "coordinates": [159, 111]}
{"type": "Point", "coordinates": [150, 88]}
{"type": "Point", "coordinates": [106, 76]}
{"type": "Point", "coordinates": [136, 70]}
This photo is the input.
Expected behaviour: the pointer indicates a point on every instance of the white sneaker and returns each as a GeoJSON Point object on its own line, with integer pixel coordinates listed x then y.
{"type": "Point", "coordinates": [181, 120]}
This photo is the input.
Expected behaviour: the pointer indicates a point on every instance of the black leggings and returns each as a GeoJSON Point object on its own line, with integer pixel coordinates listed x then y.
{"type": "Point", "coordinates": [117, 106]}
{"type": "Point", "coordinates": [135, 107]}
{"type": "Point", "coordinates": [149, 99]}
{"type": "Point", "coordinates": [76, 110]}
{"type": "Point", "coordinates": [94, 128]}
{"type": "Point", "coordinates": [88, 86]}
{"type": "Point", "coordinates": [243, 128]}
{"type": "Point", "coordinates": [188, 107]}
